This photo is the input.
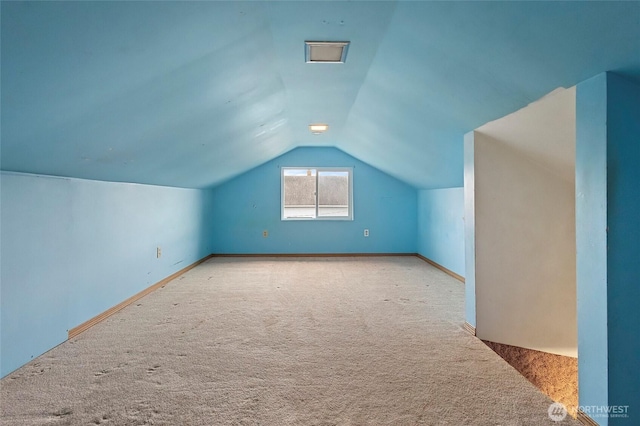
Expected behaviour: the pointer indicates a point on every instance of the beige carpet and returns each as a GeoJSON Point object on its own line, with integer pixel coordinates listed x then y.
{"type": "Point", "coordinates": [266, 341]}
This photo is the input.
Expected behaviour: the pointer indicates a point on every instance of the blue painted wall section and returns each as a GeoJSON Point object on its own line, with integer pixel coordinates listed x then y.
{"type": "Point", "coordinates": [73, 248]}
{"type": "Point", "coordinates": [591, 241]}
{"type": "Point", "coordinates": [441, 227]}
{"type": "Point", "coordinates": [608, 235]}
{"type": "Point", "coordinates": [623, 268]}
{"type": "Point", "coordinates": [382, 204]}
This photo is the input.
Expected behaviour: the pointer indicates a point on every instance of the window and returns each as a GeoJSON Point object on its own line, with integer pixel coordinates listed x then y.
{"type": "Point", "coordinates": [312, 193]}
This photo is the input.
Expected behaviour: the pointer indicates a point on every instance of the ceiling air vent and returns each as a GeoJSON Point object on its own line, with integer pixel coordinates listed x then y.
{"type": "Point", "coordinates": [327, 52]}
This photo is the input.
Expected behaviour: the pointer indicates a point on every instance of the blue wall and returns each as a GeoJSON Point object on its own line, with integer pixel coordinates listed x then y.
{"type": "Point", "coordinates": [73, 248]}
{"type": "Point", "coordinates": [441, 227]}
{"type": "Point", "coordinates": [623, 262]}
{"type": "Point", "coordinates": [591, 240]}
{"type": "Point", "coordinates": [250, 204]}
{"type": "Point", "coordinates": [608, 243]}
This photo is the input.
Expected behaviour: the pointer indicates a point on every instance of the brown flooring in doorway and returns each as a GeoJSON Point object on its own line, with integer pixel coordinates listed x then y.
{"type": "Point", "coordinates": [555, 375]}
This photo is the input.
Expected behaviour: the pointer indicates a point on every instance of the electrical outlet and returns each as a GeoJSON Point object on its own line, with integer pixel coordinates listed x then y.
{"type": "Point", "coordinates": [265, 233]}
{"type": "Point", "coordinates": [158, 253]}
{"type": "Point", "coordinates": [366, 232]}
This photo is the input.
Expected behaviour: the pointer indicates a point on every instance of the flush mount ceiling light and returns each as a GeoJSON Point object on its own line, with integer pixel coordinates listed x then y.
{"type": "Point", "coordinates": [328, 52]}
{"type": "Point", "coordinates": [317, 129]}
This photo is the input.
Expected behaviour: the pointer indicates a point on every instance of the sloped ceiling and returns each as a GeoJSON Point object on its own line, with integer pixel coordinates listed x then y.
{"type": "Point", "coordinates": [190, 94]}
{"type": "Point", "coordinates": [544, 132]}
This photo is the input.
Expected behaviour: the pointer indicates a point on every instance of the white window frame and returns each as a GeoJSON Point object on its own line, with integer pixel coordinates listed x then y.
{"type": "Point", "coordinates": [318, 170]}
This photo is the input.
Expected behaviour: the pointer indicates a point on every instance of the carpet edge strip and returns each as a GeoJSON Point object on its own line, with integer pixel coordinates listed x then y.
{"type": "Point", "coordinates": [585, 419]}
{"type": "Point", "coordinates": [442, 268]}
{"type": "Point", "coordinates": [106, 314]}
{"type": "Point", "coordinates": [310, 254]}
{"type": "Point", "coordinates": [469, 328]}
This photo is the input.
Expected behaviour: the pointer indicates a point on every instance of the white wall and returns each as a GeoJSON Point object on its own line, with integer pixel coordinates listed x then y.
{"type": "Point", "coordinates": [525, 227]}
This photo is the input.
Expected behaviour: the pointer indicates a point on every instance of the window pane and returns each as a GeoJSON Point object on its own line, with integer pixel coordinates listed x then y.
{"type": "Point", "coordinates": [299, 193]}
{"type": "Point", "coordinates": [333, 193]}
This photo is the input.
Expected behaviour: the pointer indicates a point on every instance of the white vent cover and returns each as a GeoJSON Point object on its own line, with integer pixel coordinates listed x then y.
{"type": "Point", "coordinates": [332, 52]}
